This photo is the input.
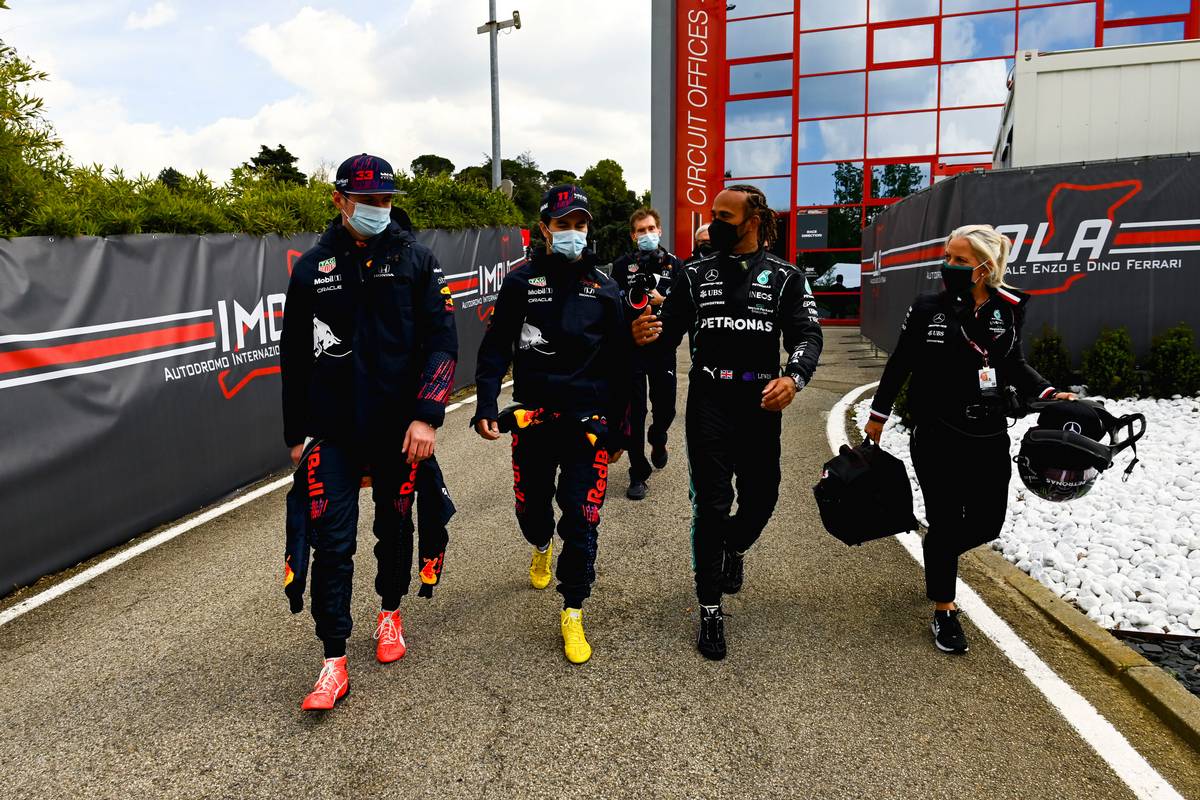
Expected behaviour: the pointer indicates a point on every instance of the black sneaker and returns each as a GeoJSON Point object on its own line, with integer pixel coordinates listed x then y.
{"type": "Point", "coordinates": [732, 572]}
{"type": "Point", "coordinates": [636, 490]}
{"type": "Point", "coordinates": [948, 633]}
{"type": "Point", "coordinates": [658, 455]}
{"type": "Point", "coordinates": [711, 640]}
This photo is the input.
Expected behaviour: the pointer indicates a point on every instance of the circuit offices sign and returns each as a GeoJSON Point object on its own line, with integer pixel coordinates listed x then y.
{"type": "Point", "coordinates": [699, 113]}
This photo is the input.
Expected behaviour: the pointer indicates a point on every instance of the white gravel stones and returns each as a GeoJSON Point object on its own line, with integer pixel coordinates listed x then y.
{"type": "Point", "coordinates": [1127, 553]}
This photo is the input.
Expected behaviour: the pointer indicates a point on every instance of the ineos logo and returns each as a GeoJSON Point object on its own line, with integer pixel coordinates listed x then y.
{"type": "Point", "coordinates": [1073, 427]}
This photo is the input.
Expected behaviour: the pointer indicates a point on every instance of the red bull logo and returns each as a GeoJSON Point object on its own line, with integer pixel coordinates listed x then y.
{"type": "Point", "coordinates": [595, 494]}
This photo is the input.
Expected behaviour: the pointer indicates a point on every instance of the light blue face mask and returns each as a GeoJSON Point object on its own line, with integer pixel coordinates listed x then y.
{"type": "Point", "coordinates": [370, 220]}
{"type": "Point", "coordinates": [569, 243]}
{"type": "Point", "coordinates": [648, 241]}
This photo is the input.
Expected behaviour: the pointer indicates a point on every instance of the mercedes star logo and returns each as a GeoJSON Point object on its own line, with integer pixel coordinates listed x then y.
{"type": "Point", "coordinates": [1073, 427]}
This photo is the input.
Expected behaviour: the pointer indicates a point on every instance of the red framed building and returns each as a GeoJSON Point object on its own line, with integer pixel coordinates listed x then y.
{"type": "Point", "coordinates": [837, 108]}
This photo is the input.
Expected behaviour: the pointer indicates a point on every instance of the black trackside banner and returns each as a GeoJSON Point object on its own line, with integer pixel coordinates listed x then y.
{"type": "Point", "coordinates": [1099, 245]}
{"type": "Point", "coordinates": [139, 377]}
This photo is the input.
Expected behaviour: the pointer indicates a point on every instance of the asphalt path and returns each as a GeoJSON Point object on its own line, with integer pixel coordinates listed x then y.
{"type": "Point", "coordinates": [180, 673]}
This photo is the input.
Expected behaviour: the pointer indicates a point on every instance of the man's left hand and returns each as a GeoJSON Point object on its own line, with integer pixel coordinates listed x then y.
{"type": "Point", "coordinates": [419, 441]}
{"type": "Point", "coordinates": [778, 394]}
{"type": "Point", "coordinates": [656, 299]}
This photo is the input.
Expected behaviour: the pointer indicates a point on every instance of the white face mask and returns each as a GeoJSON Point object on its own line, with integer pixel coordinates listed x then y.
{"type": "Point", "coordinates": [369, 220]}
{"type": "Point", "coordinates": [568, 243]}
{"type": "Point", "coordinates": [648, 241]}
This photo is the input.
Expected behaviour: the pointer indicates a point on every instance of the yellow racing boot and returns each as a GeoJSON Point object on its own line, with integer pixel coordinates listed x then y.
{"type": "Point", "coordinates": [539, 568]}
{"type": "Point", "coordinates": [575, 645]}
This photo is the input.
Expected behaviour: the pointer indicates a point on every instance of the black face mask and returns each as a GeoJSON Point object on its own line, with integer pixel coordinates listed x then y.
{"type": "Point", "coordinates": [704, 249]}
{"type": "Point", "coordinates": [724, 236]}
{"type": "Point", "coordinates": [958, 280]}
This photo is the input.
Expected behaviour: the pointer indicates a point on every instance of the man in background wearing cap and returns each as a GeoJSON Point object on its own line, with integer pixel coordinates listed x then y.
{"type": "Point", "coordinates": [561, 324]}
{"type": "Point", "coordinates": [367, 356]}
{"type": "Point", "coordinates": [650, 266]}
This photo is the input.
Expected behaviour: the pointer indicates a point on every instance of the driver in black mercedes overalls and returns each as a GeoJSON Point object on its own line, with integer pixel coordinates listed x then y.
{"type": "Point", "coordinates": [740, 301]}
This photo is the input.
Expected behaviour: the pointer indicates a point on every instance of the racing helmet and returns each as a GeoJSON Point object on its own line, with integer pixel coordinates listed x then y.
{"type": "Point", "coordinates": [1064, 454]}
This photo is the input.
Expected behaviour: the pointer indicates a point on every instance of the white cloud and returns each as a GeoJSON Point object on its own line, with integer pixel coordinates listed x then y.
{"type": "Point", "coordinates": [155, 16]}
{"type": "Point", "coordinates": [420, 87]}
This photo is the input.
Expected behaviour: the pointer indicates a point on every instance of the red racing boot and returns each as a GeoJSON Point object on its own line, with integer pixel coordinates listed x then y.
{"type": "Point", "coordinates": [332, 685]}
{"type": "Point", "coordinates": [389, 630]}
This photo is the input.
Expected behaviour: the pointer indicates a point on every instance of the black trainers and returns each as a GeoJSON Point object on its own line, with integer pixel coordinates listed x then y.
{"type": "Point", "coordinates": [732, 572]}
{"type": "Point", "coordinates": [636, 490]}
{"type": "Point", "coordinates": [948, 633]}
{"type": "Point", "coordinates": [711, 640]}
{"type": "Point", "coordinates": [658, 455]}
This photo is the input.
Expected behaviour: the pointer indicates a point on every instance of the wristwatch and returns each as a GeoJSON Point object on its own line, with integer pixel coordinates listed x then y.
{"type": "Point", "coordinates": [798, 381]}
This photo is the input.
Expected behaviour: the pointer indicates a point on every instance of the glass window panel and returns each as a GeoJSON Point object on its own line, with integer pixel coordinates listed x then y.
{"type": "Point", "coordinates": [833, 51]}
{"type": "Point", "coordinates": [901, 135]}
{"type": "Point", "coordinates": [908, 89]}
{"type": "Point", "coordinates": [898, 180]}
{"type": "Point", "coordinates": [974, 84]}
{"type": "Point", "coordinates": [830, 139]}
{"type": "Point", "coordinates": [777, 191]}
{"type": "Point", "coordinates": [1058, 28]}
{"type": "Point", "coordinates": [974, 159]}
{"type": "Point", "coordinates": [758, 37]}
{"type": "Point", "coordinates": [832, 95]}
{"type": "Point", "coordinates": [959, 6]}
{"type": "Point", "coordinates": [971, 130]}
{"type": "Point", "coordinates": [759, 157]}
{"type": "Point", "coordinates": [979, 36]}
{"type": "Point", "coordinates": [910, 43]}
{"type": "Point", "coordinates": [845, 228]}
{"type": "Point", "coordinates": [753, 8]}
{"type": "Point", "coordinates": [765, 76]}
{"type": "Point", "coordinates": [1126, 9]}
{"type": "Point", "coordinates": [1142, 34]}
{"type": "Point", "coordinates": [831, 15]}
{"type": "Point", "coordinates": [829, 184]}
{"type": "Point", "coordinates": [885, 10]}
{"type": "Point", "coordinates": [767, 117]}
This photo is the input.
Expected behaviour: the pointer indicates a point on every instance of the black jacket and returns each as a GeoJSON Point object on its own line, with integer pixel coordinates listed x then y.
{"type": "Point", "coordinates": [739, 307]}
{"type": "Point", "coordinates": [562, 327]}
{"type": "Point", "coordinates": [934, 349]}
{"type": "Point", "coordinates": [368, 342]}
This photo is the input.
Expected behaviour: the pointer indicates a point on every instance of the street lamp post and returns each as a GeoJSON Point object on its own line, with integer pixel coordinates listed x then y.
{"type": "Point", "coordinates": [493, 28]}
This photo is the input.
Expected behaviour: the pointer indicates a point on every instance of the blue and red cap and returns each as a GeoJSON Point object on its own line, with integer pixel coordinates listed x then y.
{"type": "Point", "coordinates": [365, 174]}
{"type": "Point", "coordinates": [562, 200]}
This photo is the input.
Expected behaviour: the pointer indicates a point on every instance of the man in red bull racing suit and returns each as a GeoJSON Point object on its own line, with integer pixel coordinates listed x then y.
{"type": "Point", "coordinates": [367, 356]}
{"type": "Point", "coordinates": [739, 301]}
{"type": "Point", "coordinates": [561, 323]}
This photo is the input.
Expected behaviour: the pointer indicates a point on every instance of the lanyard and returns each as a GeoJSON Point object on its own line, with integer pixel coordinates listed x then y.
{"type": "Point", "coordinates": [982, 352]}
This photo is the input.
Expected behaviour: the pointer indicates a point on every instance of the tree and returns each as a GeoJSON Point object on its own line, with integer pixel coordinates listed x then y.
{"type": "Point", "coordinates": [529, 184]}
{"type": "Point", "coordinates": [611, 202]}
{"type": "Point", "coordinates": [845, 227]}
{"type": "Point", "coordinates": [430, 165]}
{"type": "Point", "coordinates": [556, 176]}
{"type": "Point", "coordinates": [31, 157]}
{"type": "Point", "coordinates": [276, 164]}
{"type": "Point", "coordinates": [171, 178]}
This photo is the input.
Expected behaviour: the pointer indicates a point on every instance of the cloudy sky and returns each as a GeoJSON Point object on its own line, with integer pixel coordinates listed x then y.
{"type": "Point", "coordinates": [200, 84]}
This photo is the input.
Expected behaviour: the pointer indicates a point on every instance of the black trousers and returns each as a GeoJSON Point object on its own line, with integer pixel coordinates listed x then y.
{"type": "Point", "coordinates": [731, 441]}
{"type": "Point", "coordinates": [659, 382]}
{"type": "Point", "coordinates": [965, 483]}
{"type": "Point", "coordinates": [555, 459]}
{"type": "Point", "coordinates": [332, 476]}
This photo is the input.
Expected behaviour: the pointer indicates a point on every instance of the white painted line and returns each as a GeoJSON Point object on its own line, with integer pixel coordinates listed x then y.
{"type": "Point", "coordinates": [913, 246]}
{"type": "Point", "coordinates": [75, 581]}
{"type": "Point", "coordinates": [111, 326]}
{"type": "Point", "coordinates": [9, 614]}
{"type": "Point", "coordinates": [1164, 224]}
{"type": "Point", "coordinates": [1142, 779]}
{"type": "Point", "coordinates": [124, 362]}
{"type": "Point", "coordinates": [1167, 249]}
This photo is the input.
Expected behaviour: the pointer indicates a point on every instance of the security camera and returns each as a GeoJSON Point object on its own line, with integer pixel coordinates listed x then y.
{"type": "Point", "coordinates": [517, 20]}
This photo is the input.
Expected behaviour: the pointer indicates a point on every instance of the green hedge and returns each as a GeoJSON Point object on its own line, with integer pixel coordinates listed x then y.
{"type": "Point", "coordinates": [1173, 365]}
{"type": "Point", "coordinates": [1109, 368]}
{"type": "Point", "coordinates": [93, 202]}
